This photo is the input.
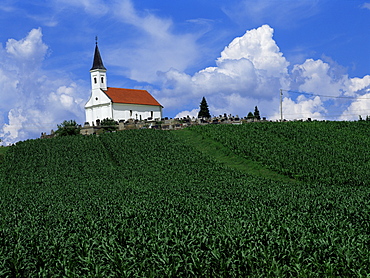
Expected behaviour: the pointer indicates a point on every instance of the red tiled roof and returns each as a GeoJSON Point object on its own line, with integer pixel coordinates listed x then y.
{"type": "Point", "coordinates": [132, 96]}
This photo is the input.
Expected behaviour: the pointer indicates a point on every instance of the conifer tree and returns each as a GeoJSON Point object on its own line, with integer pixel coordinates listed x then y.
{"type": "Point", "coordinates": [257, 113]}
{"type": "Point", "coordinates": [204, 111]}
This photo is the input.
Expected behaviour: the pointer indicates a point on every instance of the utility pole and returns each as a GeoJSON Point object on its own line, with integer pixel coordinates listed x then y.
{"type": "Point", "coordinates": [281, 105]}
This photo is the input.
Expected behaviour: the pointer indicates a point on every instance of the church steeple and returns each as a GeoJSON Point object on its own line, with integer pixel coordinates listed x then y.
{"type": "Point", "coordinates": [98, 62]}
{"type": "Point", "coordinates": [98, 71]}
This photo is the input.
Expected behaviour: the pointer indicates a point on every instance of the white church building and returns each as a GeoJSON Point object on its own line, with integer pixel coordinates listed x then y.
{"type": "Point", "coordinates": [117, 103]}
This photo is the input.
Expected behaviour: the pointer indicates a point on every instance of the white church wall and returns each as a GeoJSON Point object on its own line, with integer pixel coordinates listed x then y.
{"type": "Point", "coordinates": [98, 107]}
{"type": "Point", "coordinates": [89, 115]}
{"type": "Point", "coordinates": [123, 111]}
{"type": "Point", "coordinates": [98, 113]}
{"type": "Point", "coordinates": [98, 97]}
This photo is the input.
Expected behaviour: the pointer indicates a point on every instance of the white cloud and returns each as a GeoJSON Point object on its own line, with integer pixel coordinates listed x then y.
{"type": "Point", "coordinates": [359, 107]}
{"type": "Point", "coordinates": [158, 48]}
{"type": "Point", "coordinates": [366, 6]}
{"type": "Point", "coordinates": [94, 7]}
{"type": "Point", "coordinates": [320, 78]}
{"type": "Point", "coordinates": [284, 13]}
{"type": "Point", "coordinates": [48, 20]}
{"type": "Point", "coordinates": [315, 76]}
{"type": "Point", "coordinates": [30, 50]}
{"type": "Point", "coordinates": [192, 114]}
{"type": "Point", "coordinates": [8, 85]}
{"type": "Point", "coordinates": [357, 84]}
{"type": "Point", "coordinates": [301, 109]}
{"type": "Point", "coordinates": [32, 100]}
{"type": "Point", "coordinates": [156, 44]}
{"type": "Point", "coordinates": [146, 21]}
{"type": "Point", "coordinates": [66, 96]}
{"type": "Point", "coordinates": [7, 6]}
{"type": "Point", "coordinates": [260, 49]}
{"type": "Point", "coordinates": [233, 104]}
{"type": "Point", "coordinates": [13, 131]}
{"type": "Point", "coordinates": [249, 71]}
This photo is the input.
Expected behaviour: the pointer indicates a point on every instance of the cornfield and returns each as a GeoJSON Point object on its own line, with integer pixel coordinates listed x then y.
{"type": "Point", "coordinates": [142, 203]}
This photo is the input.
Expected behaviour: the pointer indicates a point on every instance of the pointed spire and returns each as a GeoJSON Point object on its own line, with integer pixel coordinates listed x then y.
{"type": "Point", "coordinates": [98, 62]}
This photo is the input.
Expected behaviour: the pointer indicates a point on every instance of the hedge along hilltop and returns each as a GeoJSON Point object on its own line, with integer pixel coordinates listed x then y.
{"type": "Point", "coordinates": [163, 124]}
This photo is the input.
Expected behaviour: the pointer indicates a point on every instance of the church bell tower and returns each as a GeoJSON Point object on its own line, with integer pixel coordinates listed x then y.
{"type": "Point", "coordinates": [98, 71]}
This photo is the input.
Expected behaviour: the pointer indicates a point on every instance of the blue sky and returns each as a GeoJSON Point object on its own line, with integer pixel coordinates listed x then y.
{"type": "Point", "coordinates": [236, 53]}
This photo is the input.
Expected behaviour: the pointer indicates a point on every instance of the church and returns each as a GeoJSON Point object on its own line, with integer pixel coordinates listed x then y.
{"type": "Point", "coordinates": [117, 103]}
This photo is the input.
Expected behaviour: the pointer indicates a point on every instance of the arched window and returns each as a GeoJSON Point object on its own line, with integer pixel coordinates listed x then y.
{"type": "Point", "coordinates": [102, 80]}
{"type": "Point", "coordinates": [95, 81]}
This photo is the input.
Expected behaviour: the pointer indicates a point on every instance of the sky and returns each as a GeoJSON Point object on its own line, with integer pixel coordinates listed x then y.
{"type": "Point", "coordinates": [238, 54]}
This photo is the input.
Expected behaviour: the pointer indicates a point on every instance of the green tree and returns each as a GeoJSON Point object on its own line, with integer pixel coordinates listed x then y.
{"type": "Point", "coordinates": [257, 113]}
{"type": "Point", "coordinates": [250, 115]}
{"type": "Point", "coordinates": [108, 124]}
{"type": "Point", "coordinates": [204, 111]}
{"type": "Point", "coordinates": [68, 128]}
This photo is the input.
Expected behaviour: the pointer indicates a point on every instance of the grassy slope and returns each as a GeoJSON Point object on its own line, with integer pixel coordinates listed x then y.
{"type": "Point", "coordinates": [223, 155]}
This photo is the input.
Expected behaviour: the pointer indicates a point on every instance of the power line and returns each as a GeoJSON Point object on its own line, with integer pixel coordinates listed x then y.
{"type": "Point", "coordinates": [312, 94]}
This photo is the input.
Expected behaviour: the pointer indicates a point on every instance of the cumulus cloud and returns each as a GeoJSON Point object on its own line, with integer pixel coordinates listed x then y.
{"type": "Point", "coordinates": [251, 70]}
{"type": "Point", "coordinates": [316, 76]}
{"type": "Point", "coordinates": [192, 114]}
{"type": "Point", "coordinates": [301, 108]}
{"type": "Point", "coordinates": [358, 85]}
{"type": "Point", "coordinates": [360, 106]}
{"type": "Point", "coordinates": [258, 47]}
{"type": "Point", "coordinates": [32, 100]}
{"type": "Point", "coordinates": [343, 96]}
{"type": "Point", "coordinates": [29, 48]}
{"type": "Point", "coordinates": [12, 131]}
